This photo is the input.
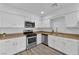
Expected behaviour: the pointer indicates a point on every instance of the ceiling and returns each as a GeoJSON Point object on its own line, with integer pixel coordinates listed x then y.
{"type": "Point", "coordinates": [36, 8]}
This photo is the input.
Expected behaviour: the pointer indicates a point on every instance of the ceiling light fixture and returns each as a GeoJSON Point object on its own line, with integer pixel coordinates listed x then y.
{"type": "Point", "coordinates": [42, 12]}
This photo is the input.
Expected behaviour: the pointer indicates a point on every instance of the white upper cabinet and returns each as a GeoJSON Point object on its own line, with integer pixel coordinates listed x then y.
{"type": "Point", "coordinates": [10, 20]}
{"type": "Point", "coordinates": [72, 19]}
{"type": "Point", "coordinates": [46, 23]}
{"type": "Point", "coordinates": [37, 21]}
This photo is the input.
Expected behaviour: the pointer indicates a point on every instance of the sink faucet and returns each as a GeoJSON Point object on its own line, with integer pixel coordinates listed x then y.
{"type": "Point", "coordinates": [52, 30]}
{"type": "Point", "coordinates": [4, 34]}
{"type": "Point", "coordinates": [56, 30]}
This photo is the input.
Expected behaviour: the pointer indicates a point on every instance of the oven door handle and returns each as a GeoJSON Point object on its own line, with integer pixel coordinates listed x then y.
{"type": "Point", "coordinates": [31, 37]}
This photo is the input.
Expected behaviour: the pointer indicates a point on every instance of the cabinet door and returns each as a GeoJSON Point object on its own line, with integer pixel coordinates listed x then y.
{"type": "Point", "coordinates": [12, 46]}
{"type": "Point", "coordinates": [45, 23]}
{"type": "Point", "coordinates": [21, 43]}
{"type": "Point", "coordinates": [71, 46]}
{"type": "Point", "coordinates": [51, 41]}
{"type": "Point", "coordinates": [59, 43]}
{"type": "Point", "coordinates": [55, 42]}
{"type": "Point", "coordinates": [6, 47]}
{"type": "Point", "coordinates": [39, 38]}
{"type": "Point", "coordinates": [3, 47]}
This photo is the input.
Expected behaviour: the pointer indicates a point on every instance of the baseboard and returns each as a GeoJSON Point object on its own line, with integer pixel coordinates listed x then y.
{"type": "Point", "coordinates": [20, 52]}
{"type": "Point", "coordinates": [45, 44]}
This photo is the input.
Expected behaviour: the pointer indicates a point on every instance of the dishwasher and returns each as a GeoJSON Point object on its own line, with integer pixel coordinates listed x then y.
{"type": "Point", "coordinates": [45, 39]}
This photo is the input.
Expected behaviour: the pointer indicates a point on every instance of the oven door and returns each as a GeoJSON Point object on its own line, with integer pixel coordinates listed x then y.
{"type": "Point", "coordinates": [31, 42]}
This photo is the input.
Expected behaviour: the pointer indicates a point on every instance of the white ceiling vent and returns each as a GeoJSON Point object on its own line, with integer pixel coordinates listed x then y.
{"type": "Point", "coordinates": [54, 5]}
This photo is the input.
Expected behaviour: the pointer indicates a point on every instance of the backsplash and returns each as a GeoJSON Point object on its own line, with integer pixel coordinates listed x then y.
{"type": "Point", "coordinates": [43, 29]}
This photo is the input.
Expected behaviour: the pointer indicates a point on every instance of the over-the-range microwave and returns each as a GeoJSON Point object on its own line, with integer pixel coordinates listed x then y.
{"type": "Point", "coordinates": [29, 24]}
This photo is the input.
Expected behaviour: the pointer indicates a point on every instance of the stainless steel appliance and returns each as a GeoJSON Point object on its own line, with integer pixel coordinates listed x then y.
{"type": "Point", "coordinates": [29, 24]}
{"type": "Point", "coordinates": [45, 39]}
{"type": "Point", "coordinates": [30, 39]}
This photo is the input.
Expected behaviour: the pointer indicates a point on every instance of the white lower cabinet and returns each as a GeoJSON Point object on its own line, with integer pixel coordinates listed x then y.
{"type": "Point", "coordinates": [39, 38]}
{"type": "Point", "coordinates": [55, 42]}
{"type": "Point", "coordinates": [51, 41]}
{"type": "Point", "coordinates": [12, 46]}
{"type": "Point", "coordinates": [58, 43]}
{"type": "Point", "coordinates": [20, 44]}
{"type": "Point", "coordinates": [4, 46]}
{"type": "Point", "coordinates": [65, 45]}
{"type": "Point", "coordinates": [71, 46]}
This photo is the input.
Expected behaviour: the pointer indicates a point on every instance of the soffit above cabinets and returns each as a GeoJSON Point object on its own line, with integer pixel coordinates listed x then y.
{"type": "Point", "coordinates": [36, 8]}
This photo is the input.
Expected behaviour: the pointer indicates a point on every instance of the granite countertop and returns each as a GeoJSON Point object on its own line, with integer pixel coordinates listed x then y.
{"type": "Point", "coordinates": [64, 35]}
{"type": "Point", "coordinates": [12, 35]}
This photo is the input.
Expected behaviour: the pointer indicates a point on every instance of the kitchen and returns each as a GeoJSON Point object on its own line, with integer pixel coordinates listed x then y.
{"type": "Point", "coordinates": [39, 29]}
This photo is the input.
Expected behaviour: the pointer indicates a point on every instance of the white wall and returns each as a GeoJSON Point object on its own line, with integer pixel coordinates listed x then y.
{"type": "Point", "coordinates": [60, 22]}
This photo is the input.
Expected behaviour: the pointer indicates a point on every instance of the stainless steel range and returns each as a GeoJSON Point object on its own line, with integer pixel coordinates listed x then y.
{"type": "Point", "coordinates": [30, 39]}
